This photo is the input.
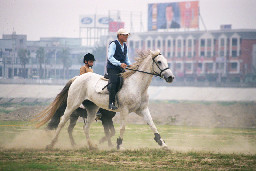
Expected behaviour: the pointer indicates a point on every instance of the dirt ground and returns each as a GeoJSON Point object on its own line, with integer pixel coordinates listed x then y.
{"type": "Point", "coordinates": [235, 115]}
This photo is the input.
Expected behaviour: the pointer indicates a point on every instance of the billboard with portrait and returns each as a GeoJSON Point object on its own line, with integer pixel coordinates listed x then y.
{"type": "Point", "coordinates": [173, 15]}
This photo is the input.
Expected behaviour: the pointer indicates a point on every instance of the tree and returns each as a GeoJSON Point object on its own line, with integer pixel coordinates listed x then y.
{"type": "Point", "coordinates": [100, 53]}
{"type": "Point", "coordinates": [24, 56]}
{"type": "Point", "coordinates": [65, 60]}
{"type": "Point", "coordinates": [40, 55]}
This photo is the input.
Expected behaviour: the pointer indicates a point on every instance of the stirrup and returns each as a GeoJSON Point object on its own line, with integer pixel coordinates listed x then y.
{"type": "Point", "coordinates": [112, 106]}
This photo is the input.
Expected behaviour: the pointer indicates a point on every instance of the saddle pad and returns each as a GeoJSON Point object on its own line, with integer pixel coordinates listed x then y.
{"type": "Point", "coordinates": [101, 83]}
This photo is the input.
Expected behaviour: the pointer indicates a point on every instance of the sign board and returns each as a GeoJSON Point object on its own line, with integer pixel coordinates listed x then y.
{"type": "Point", "coordinates": [173, 15]}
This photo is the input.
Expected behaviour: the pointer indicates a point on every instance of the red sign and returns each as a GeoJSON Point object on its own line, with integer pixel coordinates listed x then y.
{"type": "Point", "coordinates": [114, 26]}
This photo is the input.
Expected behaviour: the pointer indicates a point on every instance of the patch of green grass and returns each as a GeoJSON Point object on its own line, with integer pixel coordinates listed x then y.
{"type": "Point", "coordinates": [191, 148]}
{"type": "Point", "coordinates": [6, 111]}
{"type": "Point", "coordinates": [154, 159]}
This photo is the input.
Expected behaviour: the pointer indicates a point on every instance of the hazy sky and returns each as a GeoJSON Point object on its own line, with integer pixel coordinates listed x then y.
{"type": "Point", "coordinates": [60, 18]}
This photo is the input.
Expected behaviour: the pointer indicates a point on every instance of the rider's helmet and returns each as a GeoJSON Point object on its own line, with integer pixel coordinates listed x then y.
{"type": "Point", "coordinates": [89, 57]}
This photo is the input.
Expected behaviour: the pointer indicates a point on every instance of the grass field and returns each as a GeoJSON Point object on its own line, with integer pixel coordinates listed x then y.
{"type": "Point", "coordinates": [190, 148]}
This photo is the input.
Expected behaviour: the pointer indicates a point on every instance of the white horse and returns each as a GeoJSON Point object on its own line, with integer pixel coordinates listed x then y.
{"type": "Point", "coordinates": [132, 97]}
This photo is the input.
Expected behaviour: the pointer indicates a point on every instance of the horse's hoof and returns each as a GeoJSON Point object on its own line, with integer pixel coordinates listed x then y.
{"type": "Point", "coordinates": [74, 145]}
{"type": "Point", "coordinates": [93, 148]}
{"type": "Point", "coordinates": [122, 148]}
{"type": "Point", "coordinates": [165, 148]}
{"type": "Point", "coordinates": [110, 145]}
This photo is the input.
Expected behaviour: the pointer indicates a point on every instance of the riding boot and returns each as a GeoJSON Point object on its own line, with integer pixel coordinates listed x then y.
{"type": "Point", "coordinates": [112, 95]}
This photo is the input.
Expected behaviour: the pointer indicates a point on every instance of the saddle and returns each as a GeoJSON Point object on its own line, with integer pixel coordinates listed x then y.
{"type": "Point", "coordinates": [103, 84]}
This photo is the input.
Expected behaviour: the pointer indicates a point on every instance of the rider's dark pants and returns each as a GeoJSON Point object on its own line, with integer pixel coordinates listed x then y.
{"type": "Point", "coordinates": [114, 79]}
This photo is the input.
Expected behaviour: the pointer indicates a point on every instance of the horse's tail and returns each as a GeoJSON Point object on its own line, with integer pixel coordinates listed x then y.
{"type": "Point", "coordinates": [55, 120]}
{"type": "Point", "coordinates": [59, 101]}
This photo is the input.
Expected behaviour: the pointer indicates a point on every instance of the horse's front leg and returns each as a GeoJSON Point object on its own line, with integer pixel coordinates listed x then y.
{"type": "Point", "coordinates": [123, 116]}
{"type": "Point", "coordinates": [147, 117]}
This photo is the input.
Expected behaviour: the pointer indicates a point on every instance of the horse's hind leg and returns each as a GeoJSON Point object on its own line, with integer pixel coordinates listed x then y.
{"type": "Point", "coordinates": [64, 119]}
{"type": "Point", "coordinates": [112, 133]}
{"type": "Point", "coordinates": [73, 120]}
{"type": "Point", "coordinates": [91, 113]}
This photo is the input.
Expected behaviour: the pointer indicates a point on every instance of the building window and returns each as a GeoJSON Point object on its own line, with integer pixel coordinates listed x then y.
{"type": "Point", "coordinates": [199, 67]}
{"type": "Point", "coordinates": [169, 43]}
{"type": "Point", "coordinates": [15, 73]}
{"type": "Point", "coordinates": [209, 53]}
{"type": "Point", "coordinates": [188, 66]}
{"type": "Point", "coordinates": [131, 44]}
{"type": "Point", "coordinates": [170, 65]}
{"type": "Point", "coordinates": [234, 53]}
{"type": "Point", "coordinates": [202, 43]}
{"type": "Point", "coordinates": [178, 66]}
{"type": "Point", "coordinates": [189, 43]}
{"type": "Point", "coordinates": [222, 42]}
{"type": "Point", "coordinates": [179, 43]}
{"type": "Point", "coordinates": [209, 67]}
{"type": "Point", "coordinates": [158, 44]}
{"type": "Point", "coordinates": [221, 53]}
{"type": "Point", "coordinates": [137, 44]}
{"type": "Point", "coordinates": [233, 65]}
{"type": "Point", "coordinates": [169, 54]}
{"type": "Point", "coordinates": [142, 43]}
{"type": "Point", "coordinates": [234, 41]}
{"type": "Point", "coordinates": [179, 54]}
{"type": "Point", "coordinates": [189, 54]}
{"type": "Point", "coordinates": [202, 53]}
{"type": "Point", "coordinates": [149, 43]}
{"type": "Point", "coordinates": [220, 67]}
{"type": "Point", "coordinates": [21, 41]}
{"type": "Point", "coordinates": [163, 43]}
{"type": "Point", "coordinates": [209, 42]}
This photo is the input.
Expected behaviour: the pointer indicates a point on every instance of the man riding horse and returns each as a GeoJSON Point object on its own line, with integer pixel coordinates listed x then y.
{"type": "Point", "coordinates": [117, 61]}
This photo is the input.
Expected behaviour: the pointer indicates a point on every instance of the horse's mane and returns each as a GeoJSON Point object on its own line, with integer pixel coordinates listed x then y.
{"type": "Point", "coordinates": [141, 56]}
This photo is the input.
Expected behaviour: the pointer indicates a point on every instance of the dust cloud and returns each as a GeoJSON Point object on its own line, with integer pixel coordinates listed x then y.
{"type": "Point", "coordinates": [208, 127]}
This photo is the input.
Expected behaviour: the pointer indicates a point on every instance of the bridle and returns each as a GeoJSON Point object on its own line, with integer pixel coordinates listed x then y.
{"type": "Point", "coordinates": [154, 72]}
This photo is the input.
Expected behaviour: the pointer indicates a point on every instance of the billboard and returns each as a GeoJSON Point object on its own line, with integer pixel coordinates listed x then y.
{"type": "Point", "coordinates": [94, 21]}
{"type": "Point", "coordinates": [173, 15]}
{"type": "Point", "coordinates": [114, 26]}
{"type": "Point", "coordinates": [87, 21]}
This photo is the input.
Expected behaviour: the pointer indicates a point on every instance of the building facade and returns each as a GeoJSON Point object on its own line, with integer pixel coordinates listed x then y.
{"type": "Point", "coordinates": [215, 56]}
{"type": "Point", "coordinates": [51, 65]}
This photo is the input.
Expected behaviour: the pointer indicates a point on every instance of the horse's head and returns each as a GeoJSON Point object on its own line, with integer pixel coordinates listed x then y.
{"type": "Point", "coordinates": [160, 66]}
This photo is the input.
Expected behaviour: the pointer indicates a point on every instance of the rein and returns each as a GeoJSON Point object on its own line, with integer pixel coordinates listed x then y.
{"type": "Point", "coordinates": [154, 73]}
{"type": "Point", "coordinates": [142, 71]}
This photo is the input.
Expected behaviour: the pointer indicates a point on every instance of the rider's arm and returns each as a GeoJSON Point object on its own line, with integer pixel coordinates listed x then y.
{"type": "Point", "coordinates": [127, 60]}
{"type": "Point", "coordinates": [82, 70]}
{"type": "Point", "coordinates": [111, 52]}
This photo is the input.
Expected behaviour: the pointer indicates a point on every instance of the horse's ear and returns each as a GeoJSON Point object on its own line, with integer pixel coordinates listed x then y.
{"type": "Point", "coordinates": [155, 53]}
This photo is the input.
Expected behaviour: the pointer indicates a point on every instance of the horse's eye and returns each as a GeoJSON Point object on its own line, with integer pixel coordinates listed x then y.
{"type": "Point", "coordinates": [159, 62]}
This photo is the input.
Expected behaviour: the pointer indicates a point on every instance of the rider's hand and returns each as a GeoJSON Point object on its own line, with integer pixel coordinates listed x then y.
{"type": "Point", "coordinates": [123, 65]}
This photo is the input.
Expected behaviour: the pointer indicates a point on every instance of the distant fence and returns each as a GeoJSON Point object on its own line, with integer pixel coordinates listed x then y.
{"type": "Point", "coordinates": [34, 81]}
{"type": "Point", "coordinates": [155, 82]}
